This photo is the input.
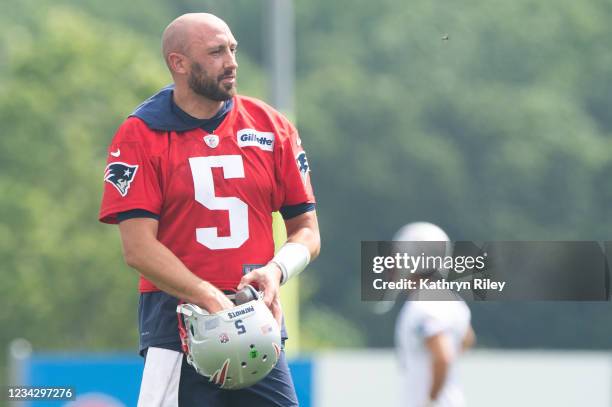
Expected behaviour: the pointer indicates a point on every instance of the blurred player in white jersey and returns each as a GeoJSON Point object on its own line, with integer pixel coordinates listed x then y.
{"type": "Point", "coordinates": [430, 335]}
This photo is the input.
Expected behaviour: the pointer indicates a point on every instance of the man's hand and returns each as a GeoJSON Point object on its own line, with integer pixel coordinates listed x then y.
{"type": "Point", "coordinates": [211, 298]}
{"type": "Point", "coordinates": [267, 279]}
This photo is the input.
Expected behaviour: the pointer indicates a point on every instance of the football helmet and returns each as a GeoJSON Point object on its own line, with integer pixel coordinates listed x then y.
{"type": "Point", "coordinates": [416, 239]}
{"type": "Point", "coordinates": [234, 348]}
{"type": "Point", "coordinates": [423, 238]}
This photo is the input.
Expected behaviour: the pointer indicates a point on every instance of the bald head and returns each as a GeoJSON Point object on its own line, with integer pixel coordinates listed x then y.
{"type": "Point", "coordinates": [181, 33]}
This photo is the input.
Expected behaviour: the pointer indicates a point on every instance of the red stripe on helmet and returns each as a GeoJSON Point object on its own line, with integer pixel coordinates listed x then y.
{"type": "Point", "coordinates": [182, 332]}
{"type": "Point", "coordinates": [224, 370]}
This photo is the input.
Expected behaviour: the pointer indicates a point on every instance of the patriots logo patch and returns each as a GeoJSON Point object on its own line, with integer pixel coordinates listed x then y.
{"type": "Point", "coordinates": [303, 166]}
{"type": "Point", "coordinates": [120, 175]}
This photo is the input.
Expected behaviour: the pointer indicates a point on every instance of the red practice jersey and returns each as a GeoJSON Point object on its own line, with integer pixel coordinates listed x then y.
{"type": "Point", "coordinates": [214, 193]}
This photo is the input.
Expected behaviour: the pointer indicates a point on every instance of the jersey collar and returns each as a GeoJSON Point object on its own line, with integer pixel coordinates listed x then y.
{"type": "Point", "coordinates": [160, 112]}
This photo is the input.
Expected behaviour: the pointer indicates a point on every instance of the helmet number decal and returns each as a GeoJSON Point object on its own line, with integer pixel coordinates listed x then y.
{"type": "Point", "coordinates": [239, 326]}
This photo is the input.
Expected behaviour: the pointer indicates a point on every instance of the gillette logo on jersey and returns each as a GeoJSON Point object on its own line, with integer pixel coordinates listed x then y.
{"type": "Point", "coordinates": [254, 138]}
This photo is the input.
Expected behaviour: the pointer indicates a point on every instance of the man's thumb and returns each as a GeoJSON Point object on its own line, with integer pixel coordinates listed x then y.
{"type": "Point", "coordinates": [247, 279]}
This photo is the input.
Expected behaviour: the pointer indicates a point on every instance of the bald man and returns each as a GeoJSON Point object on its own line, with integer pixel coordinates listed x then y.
{"type": "Point", "coordinates": [193, 177]}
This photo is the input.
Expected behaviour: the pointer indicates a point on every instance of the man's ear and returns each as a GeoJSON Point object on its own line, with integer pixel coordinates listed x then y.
{"type": "Point", "coordinates": [178, 63]}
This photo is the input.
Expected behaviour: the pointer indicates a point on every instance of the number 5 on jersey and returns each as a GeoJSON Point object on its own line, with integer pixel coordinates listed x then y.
{"type": "Point", "coordinates": [203, 183]}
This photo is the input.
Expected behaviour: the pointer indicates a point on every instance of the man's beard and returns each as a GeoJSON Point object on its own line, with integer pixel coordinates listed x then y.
{"type": "Point", "coordinates": [210, 88]}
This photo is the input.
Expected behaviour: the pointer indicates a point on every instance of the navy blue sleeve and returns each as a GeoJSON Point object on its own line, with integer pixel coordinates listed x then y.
{"type": "Point", "coordinates": [136, 213]}
{"type": "Point", "coordinates": [292, 211]}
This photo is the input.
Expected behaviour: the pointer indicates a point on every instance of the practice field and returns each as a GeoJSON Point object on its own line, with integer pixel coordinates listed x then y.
{"type": "Point", "coordinates": [363, 378]}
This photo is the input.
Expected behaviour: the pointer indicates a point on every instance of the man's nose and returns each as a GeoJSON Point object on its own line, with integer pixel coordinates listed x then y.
{"type": "Point", "coordinates": [230, 61]}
